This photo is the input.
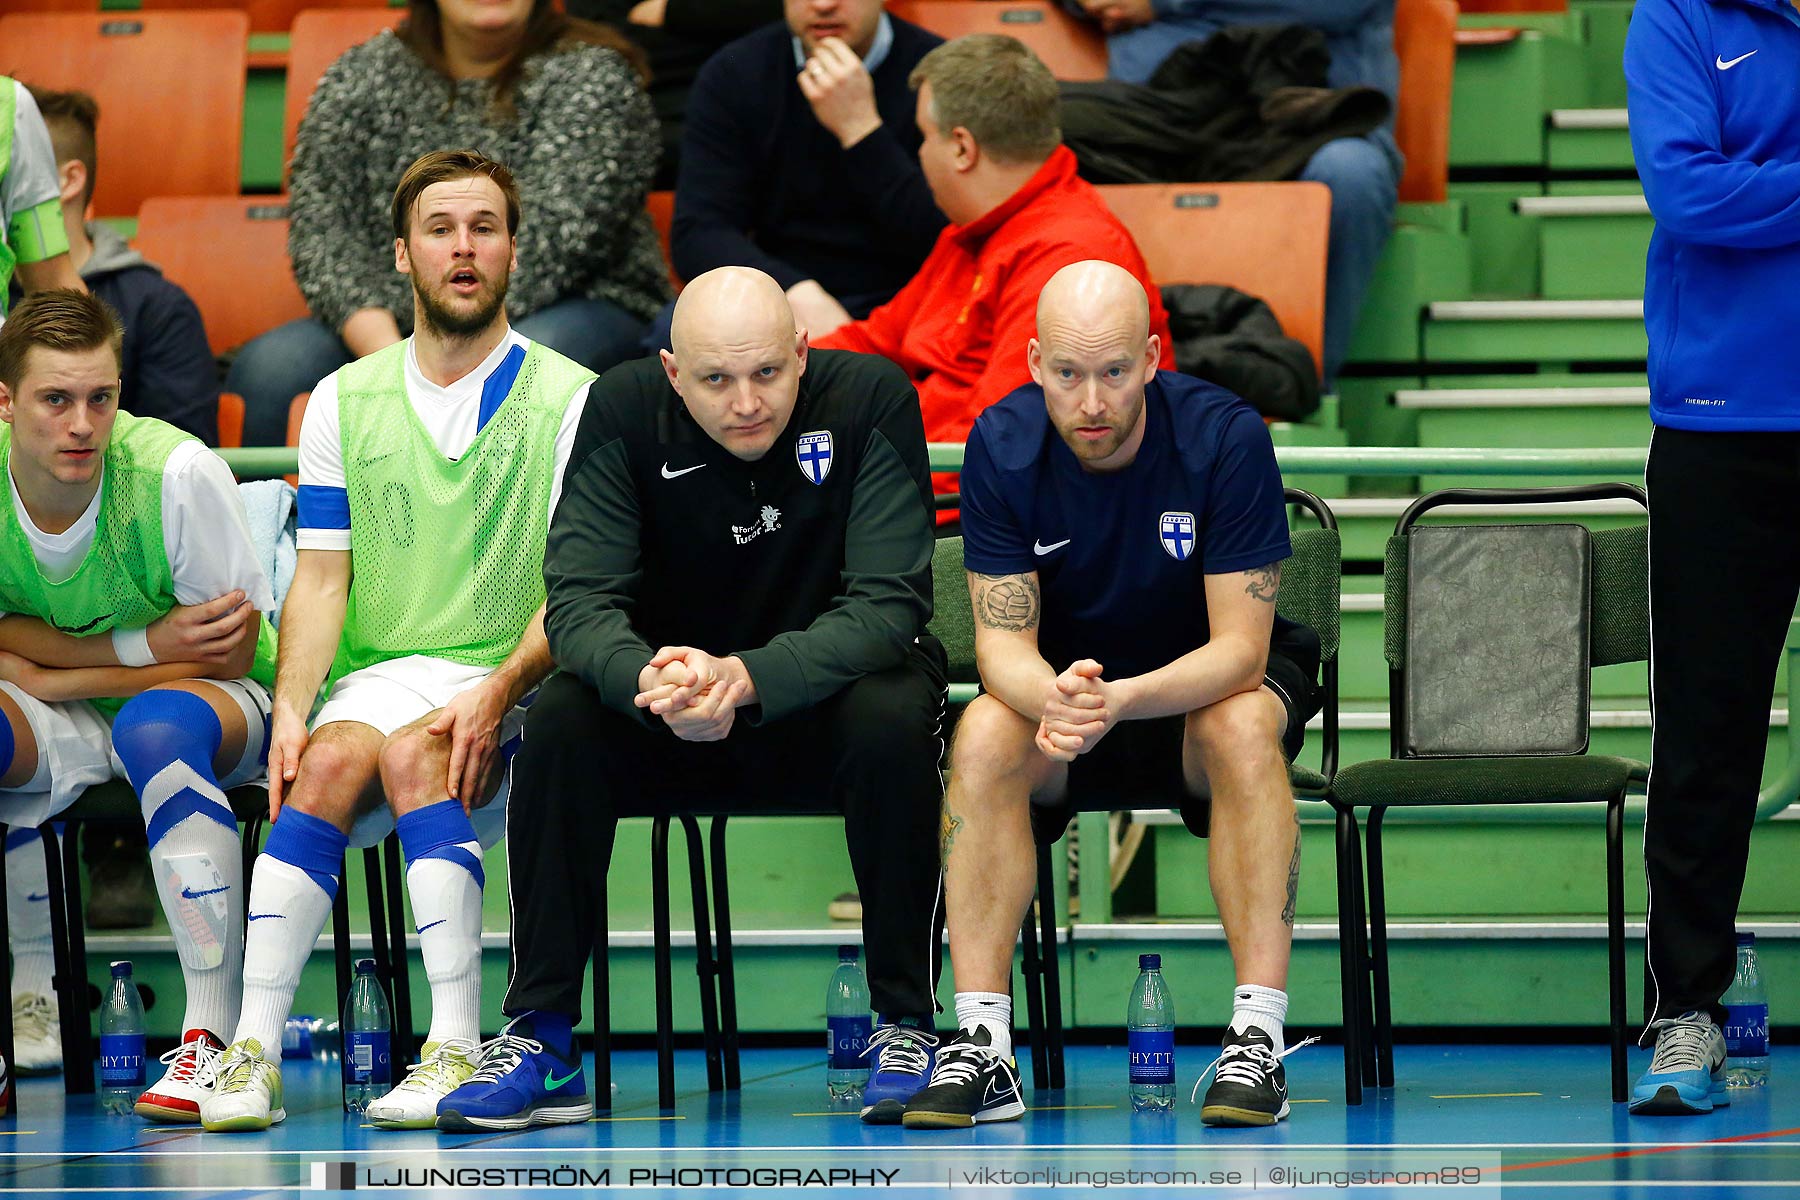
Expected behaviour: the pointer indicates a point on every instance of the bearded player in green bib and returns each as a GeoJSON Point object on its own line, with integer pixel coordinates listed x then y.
{"type": "Point", "coordinates": [110, 525]}
{"type": "Point", "coordinates": [428, 472]}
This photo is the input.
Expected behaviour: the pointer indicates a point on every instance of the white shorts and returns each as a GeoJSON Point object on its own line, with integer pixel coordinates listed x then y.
{"type": "Point", "coordinates": [393, 694]}
{"type": "Point", "coordinates": [75, 752]}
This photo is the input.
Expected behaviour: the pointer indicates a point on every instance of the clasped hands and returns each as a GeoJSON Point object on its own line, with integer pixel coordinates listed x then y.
{"type": "Point", "coordinates": [696, 694]}
{"type": "Point", "coordinates": [1079, 710]}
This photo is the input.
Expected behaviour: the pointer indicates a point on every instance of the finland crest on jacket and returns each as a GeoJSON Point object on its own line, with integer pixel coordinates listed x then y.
{"type": "Point", "coordinates": [1176, 530]}
{"type": "Point", "coordinates": [813, 452]}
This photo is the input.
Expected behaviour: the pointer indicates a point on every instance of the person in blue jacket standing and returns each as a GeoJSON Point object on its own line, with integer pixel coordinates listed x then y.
{"type": "Point", "coordinates": [1715, 127]}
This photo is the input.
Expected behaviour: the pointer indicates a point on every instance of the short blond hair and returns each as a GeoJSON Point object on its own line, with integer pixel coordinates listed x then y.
{"type": "Point", "coordinates": [446, 166]}
{"type": "Point", "coordinates": [59, 319]}
{"type": "Point", "coordinates": [996, 88]}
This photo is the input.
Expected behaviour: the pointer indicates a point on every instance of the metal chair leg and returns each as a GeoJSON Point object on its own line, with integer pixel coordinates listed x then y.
{"type": "Point", "coordinates": [1615, 940]}
{"type": "Point", "coordinates": [74, 912]}
{"type": "Point", "coordinates": [9, 1097]}
{"type": "Point", "coordinates": [665, 1014]}
{"type": "Point", "coordinates": [251, 841]}
{"type": "Point", "coordinates": [396, 916]}
{"type": "Point", "coordinates": [602, 972]}
{"type": "Point", "coordinates": [728, 1022]}
{"type": "Point", "coordinates": [340, 938]}
{"type": "Point", "coordinates": [70, 979]}
{"type": "Point", "coordinates": [703, 954]}
{"type": "Point", "coordinates": [1051, 979]}
{"type": "Point", "coordinates": [1032, 972]}
{"type": "Point", "coordinates": [378, 943]}
{"type": "Point", "coordinates": [1378, 954]}
{"type": "Point", "coordinates": [1349, 961]}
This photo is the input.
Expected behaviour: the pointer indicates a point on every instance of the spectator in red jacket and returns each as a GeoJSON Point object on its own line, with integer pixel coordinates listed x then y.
{"type": "Point", "coordinates": [994, 159]}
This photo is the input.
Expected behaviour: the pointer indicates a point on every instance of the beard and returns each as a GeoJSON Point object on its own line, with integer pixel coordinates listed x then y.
{"type": "Point", "coordinates": [455, 322]}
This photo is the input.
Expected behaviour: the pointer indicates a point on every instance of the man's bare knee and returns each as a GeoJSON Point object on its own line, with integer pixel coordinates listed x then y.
{"type": "Point", "coordinates": [411, 760]}
{"type": "Point", "coordinates": [993, 747]}
{"type": "Point", "coordinates": [1238, 737]}
{"type": "Point", "coordinates": [336, 772]}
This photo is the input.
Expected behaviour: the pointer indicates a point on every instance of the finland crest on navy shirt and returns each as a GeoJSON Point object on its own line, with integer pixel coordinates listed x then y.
{"type": "Point", "coordinates": [1122, 557]}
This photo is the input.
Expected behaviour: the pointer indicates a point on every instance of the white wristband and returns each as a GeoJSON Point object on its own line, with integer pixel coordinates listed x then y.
{"type": "Point", "coordinates": [132, 647]}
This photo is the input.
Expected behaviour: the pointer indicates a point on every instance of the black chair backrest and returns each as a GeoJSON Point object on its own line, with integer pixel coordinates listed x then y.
{"type": "Point", "coordinates": [1531, 609]}
{"type": "Point", "coordinates": [952, 618]}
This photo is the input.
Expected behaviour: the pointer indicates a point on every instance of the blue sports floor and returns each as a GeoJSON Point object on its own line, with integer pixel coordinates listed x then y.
{"type": "Point", "coordinates": [1529, 1121]}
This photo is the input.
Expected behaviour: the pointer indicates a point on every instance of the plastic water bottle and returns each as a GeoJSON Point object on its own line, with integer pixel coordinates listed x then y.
{"type": "Point", "coordinates": [1150, 1039]}
{"type": "Point", "coordinates": [847, 1028]}
{"type": "Point", "coordinates": [121, 1043]}
{"type": "Point", "coordinates": [1746, 1021]}
{"type": "Point", "coordinates": [368, 1057]}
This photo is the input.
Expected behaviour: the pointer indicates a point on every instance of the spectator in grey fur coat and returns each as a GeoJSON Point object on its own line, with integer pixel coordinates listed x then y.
{"type": "Point", "coordinates": [560, 101]}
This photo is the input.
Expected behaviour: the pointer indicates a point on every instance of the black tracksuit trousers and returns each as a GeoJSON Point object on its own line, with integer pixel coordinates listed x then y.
{"type": "Point", "coordinates": [1724, 575]}
{"type": "Point", "coordinates": [871, 752]}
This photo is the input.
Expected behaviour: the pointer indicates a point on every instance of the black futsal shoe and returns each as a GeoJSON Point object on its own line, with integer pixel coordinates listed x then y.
{"type": "Point", "coordinates": [970, 1084]}
{"type": "Point", "coordinates": [1250, 1087]}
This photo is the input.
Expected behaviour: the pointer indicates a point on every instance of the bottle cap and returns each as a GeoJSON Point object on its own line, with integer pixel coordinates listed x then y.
{"type": "Point", "coordinates": [122, 969]}
{"type": "Point", "coordinates": [1746, 939]}
{"type": "Point", "coordinates": [1149, 962]}
{"type": "Point", "coordinates": [365, 966]}
{"type": "Point", "coordinates": [848, 953]}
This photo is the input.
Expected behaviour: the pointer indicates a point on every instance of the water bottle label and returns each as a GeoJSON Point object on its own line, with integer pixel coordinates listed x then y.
{"type": "Point", "coordinates": [122, 1060]}
{"type": "Point", "coordinates": [1746, 1030]}
{"type": "Point", "coordinates": [1152, 1053]}
{"type": "Point", "coordinates": [367, 1058]}
{"type": "Point", "coordinates": [845, 1040]}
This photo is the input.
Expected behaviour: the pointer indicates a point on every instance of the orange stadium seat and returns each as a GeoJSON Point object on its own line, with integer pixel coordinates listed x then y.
{"type": "Point", "coordinates": [319, 36]}
{"type": "Point", "coordinates": [171, 93]}
{"type": "Point", "coordinates": [1513, 6]}
{"type": "Point", "coordinates": [661, 207]}
{"type": "Point", "coordinates": [1073, 49]}
{"type": "Point", "coordinates": [266, 16]}
{"type": "Point", "coordinates": [230, 253]}
{"type": "Point", "coordinates": [50, 6]}
{"type": "Point", "coordinates": [1267, 239]}
{"type": "Point", "coordinates": [231, 419]}
{"type": "Point", "coordinates": [1425, 42]}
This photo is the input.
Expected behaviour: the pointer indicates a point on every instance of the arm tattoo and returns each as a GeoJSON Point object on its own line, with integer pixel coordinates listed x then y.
{"type": "Point", "coordinates": [1009, 602]}
{"type": "Point", "coordinates": [1293, 886]}
{"type": "Point", "coordinates": [1263, 582]}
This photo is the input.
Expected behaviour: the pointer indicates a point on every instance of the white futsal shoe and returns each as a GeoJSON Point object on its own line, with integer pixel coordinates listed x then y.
{"type": "Point", "coordinates": [247, 1094]}
{"type": "Point", "coordinates": [37, 1035]}
{"type": "Point", "coordinates": [443, 1067]}
{"type": "Point", "coordinates": [175, 1098]}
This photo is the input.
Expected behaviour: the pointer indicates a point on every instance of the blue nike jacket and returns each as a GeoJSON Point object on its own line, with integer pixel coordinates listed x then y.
{"type": "Point", "coordinates": [1715, 127]}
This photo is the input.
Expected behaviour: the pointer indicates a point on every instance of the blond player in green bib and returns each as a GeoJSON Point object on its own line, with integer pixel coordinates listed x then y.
{"type": "Point", "coordinates": [110, 525]}
{"type": "Point", "coordinates": [428, 472]}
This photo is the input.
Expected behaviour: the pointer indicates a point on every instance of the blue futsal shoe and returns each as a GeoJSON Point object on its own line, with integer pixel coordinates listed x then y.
{"type": "Point", "coordinates": [1687, 1073]}
{"type": "Point", "coordinates": [904, 1056]}
{"type": "Point", "coordinates": [518, 1082]}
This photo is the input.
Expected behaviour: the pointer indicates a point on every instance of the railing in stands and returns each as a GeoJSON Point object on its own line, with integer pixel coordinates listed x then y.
{"type": "Point", "coordinates": [267, 462]}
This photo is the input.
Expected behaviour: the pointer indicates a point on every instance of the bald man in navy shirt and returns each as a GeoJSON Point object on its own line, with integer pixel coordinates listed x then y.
{"type": "Point", "coordinates": [1123, 531]}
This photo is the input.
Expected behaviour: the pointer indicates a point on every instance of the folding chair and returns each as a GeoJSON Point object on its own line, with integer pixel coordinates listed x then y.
{"type": "Point", "coordinates": [1488, 691]}
{"type": "Point", "coordinates": [1267, 239]}
{"type": "Point", "coordinates": [170, 87]}
{"type": "Point", "coordinates": [230, 254]}
{"type": "Point", "coordinates": [1073, 49]}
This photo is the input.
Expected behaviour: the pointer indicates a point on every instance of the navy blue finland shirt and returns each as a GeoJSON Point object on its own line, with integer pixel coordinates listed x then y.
{"type": "Point", "coordinates": [1122, 556]}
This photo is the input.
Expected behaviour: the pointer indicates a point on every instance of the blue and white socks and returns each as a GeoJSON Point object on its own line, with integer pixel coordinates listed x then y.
{"type": "Point", "coordinates": [444, 879]}
{"type": "Point", "coordinates": [291, 890]}
{"type": "Point", "coordinates": [167, 740]}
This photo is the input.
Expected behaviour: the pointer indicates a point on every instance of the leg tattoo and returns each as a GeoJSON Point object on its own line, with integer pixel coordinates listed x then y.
{"type": "Point", "coordinates": [1293, 886]}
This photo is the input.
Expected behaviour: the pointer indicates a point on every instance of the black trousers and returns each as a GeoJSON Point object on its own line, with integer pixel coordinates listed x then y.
{"type": "Point", "coordinates": [872, 752]}
{"type": "Point", "coordinates": [1724, 575]}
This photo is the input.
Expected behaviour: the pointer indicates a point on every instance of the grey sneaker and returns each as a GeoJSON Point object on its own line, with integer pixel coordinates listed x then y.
{"type": "Point", "coordinates": [1687, 1072]}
